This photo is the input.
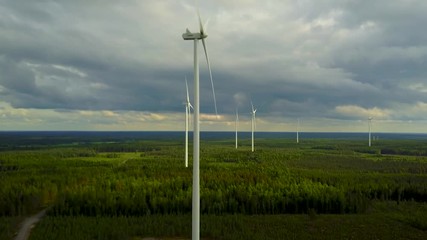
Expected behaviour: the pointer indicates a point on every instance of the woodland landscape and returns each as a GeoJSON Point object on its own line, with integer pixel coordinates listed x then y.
{"type": "Point", "coordinates": [136, 188]}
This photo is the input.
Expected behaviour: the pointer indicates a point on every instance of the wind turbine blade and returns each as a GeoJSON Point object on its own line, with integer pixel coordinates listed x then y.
{"type": "Point", "coordinates": [210, 74]}
{"type": "Point", "coordinates": [254, 121]}
{"type": "Point", "coordinates": [262, 105]}
{"type": "Point", "coordinates": [187, 111]}
{"type": "Point", "coordinates": [200, 19]}
{"type": "Point", "coordinates": [188, 96]}
{"type": "Point", "coordinates": [190, 119]}
{"type": "Point", "coordinates": [252, 105]}
{"type": "Point", "coordinates": [203, 36]}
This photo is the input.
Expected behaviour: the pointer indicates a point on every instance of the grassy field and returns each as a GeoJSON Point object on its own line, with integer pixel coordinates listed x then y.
{"type": "Point", "coordinates": [318, 189]}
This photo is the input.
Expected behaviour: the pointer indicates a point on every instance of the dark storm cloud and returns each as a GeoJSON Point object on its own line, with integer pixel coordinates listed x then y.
{"type": "Point", "coordinates": [56, 59]}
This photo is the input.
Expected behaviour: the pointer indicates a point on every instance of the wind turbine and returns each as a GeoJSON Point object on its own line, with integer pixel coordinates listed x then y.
{"type": "Point", "coordinates": [237, 124]}
{"type": "Point", "coordinates": [196, 133]}
{"type": "Point", "coordinates": [298, 130]}
{"type": "Point", "coordinates": [369, 126]}
{"type": "Point", "coordinates": [253, 124]}
{"type": "Point", "coordinates": [188, 107]}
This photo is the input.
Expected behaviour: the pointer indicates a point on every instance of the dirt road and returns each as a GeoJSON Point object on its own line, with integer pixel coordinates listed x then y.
{"type": "Point", "coordinates": [28, 224]}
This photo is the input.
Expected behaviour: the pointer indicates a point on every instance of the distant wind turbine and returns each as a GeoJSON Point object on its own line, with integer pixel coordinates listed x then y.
{"type": "Point", "coordinates": [298, 130]}
{"type": "Point", "coordinates": [237, 124]}
{"type": "Point", "coordinates": [253, 124]}
{"type": "Point", "coordinates": [369, 126]}
{"type": "Point", "coordinates": [196, 133]}
{"type": "Point", "coordinates": [188, 107]}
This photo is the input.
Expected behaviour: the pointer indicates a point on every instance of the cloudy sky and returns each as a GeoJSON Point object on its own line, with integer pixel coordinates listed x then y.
{"type": "Point", "coordinates": [121, 65]}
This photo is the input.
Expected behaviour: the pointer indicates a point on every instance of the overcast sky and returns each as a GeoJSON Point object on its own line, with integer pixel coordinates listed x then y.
{"type": "Point", "coordinates": [121, 65]}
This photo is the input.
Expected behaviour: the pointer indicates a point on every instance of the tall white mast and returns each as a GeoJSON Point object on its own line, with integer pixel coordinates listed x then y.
{"type": "Point", "coordinates": [369, 126]}
{"type": "Point", "coordinates": [253, 126]}
{"type": "Point", "coordinates": [237, 124]}
{"type": "Point", "coordinates": [186, 136]}
{"type": "Point", "coordinates": [196, 154]}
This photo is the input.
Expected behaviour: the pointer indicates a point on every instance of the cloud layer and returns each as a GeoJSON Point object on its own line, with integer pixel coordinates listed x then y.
{"type": "Point", "coordinates": [321, 61]}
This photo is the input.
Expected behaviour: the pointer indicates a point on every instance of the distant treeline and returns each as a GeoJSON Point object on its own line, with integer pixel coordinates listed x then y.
{"type": "Point", "coordinates": [409, 152]}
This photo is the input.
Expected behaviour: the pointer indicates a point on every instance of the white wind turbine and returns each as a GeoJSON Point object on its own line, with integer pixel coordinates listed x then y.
{"type": "Point", "coordinates": [253, 124]}
{"type": "Point", "coordinates": [237, 124]}
{"type": "Point", "coordinates": [298, 130]}
{"type": "Point", "coordinates": [196, 133]}
{"type": "Point", "coordinates": [369, 126]}
{"type": "Point", "coordinates": [188, 107]}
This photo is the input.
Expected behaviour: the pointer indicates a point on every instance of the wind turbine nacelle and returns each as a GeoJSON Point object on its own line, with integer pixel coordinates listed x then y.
{"type": "Point", "coordinates": [192, 36]}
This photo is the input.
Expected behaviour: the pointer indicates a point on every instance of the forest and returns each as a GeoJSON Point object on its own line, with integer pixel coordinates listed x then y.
{"type": "Point", "coordinates": [281, 189]}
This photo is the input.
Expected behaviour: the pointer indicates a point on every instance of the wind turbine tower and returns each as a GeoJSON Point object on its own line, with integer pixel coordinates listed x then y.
{"type": "Point", "coordinates": [253, 125]}
{"type": "Point", "coordinates": [298, 130]}
{"type": "Point", "coordinates": [196, 133]}
{"type": "Point", "coordinates": [237, 124]}
{"type": "Point", "coordinates": [369, 126]}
